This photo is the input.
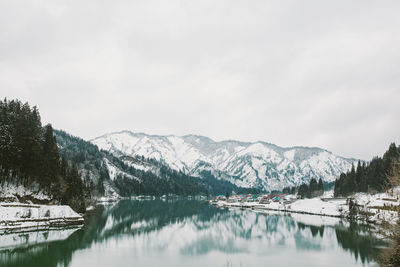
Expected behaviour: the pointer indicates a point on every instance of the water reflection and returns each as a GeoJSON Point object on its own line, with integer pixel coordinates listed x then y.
{"type": "Point", "coordinates": [146, 233]}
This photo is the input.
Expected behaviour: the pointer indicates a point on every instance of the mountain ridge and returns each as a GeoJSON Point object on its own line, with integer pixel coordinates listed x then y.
{"type": "Point", "coordinates": [224, 141]}
{"type": "Point", "coordinates": [247, 164]}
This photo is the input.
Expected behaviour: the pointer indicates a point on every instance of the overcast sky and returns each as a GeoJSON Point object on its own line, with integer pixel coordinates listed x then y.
{"type": "Point", "coordinates": [310, 73]}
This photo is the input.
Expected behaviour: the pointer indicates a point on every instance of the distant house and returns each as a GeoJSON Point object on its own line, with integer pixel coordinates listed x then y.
{"type": "Point", "coordinates": [278, 197]}
{"type": "Point", "coordinates": [220, 197]}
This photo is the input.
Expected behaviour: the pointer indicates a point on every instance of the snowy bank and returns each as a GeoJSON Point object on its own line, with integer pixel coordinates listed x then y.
{"type": "Point", "coordinates": [376, 208]}
{"type": "Point", "coordinates": [380, 207]}
{"type": "Point", "coordinates": [10, 192]}
{"type": "Point", "coordinates": [314, 206]}
{"type": "Point", "coordinates": [27, 217]}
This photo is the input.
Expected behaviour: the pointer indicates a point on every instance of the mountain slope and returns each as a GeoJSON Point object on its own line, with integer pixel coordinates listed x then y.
{"type": "Point", "coordinates": [251, 165]}
{"type": "Point", "coordinates": [31, 168]}
{"type": "Point", "coordinates": [105, 174]}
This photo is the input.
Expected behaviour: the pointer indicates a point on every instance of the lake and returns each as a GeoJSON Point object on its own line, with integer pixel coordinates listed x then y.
{"type": "Point", "coordinates": [195, 234]}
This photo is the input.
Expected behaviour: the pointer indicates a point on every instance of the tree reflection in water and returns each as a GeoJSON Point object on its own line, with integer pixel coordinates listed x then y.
{"type": "Point", "coordinates": [192, 228]}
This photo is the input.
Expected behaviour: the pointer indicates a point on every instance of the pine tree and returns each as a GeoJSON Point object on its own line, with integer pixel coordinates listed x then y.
{"type": "Point", "coordinates": [50, 156]}
{"type": "Point", "coordinates": [351, 181]}
{"type": "Point", "coordinates": [320, 187]}
{"type": "Point", "coordinates": [358, 175]}
{"type": "Point", "coordinates": [29, 154]}
{"type": "Point", "coordinates": [293, 190]}
{"type": "Point", "coordinates": [377, 176]}
{"type": "Point", "coordinates": [303, 191]}
{"type": "Point", "coordinates": [392, 165]}
{"type": "Point", "coordinates": [313, 187]}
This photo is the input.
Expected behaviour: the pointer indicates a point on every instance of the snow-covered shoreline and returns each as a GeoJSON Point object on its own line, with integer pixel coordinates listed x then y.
{"type": "Point", "coordinates": [313, 206]}
{"type": "Point", "coordinates": [19, 217]}
{"type": "Point", "coordinates": [372, 208]}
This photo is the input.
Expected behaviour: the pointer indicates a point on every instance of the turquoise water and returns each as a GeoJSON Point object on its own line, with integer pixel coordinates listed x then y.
{"type": "Point", "coordinates": [193, 233]}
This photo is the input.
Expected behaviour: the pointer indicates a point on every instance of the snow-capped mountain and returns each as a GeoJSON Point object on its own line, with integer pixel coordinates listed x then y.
{"type": "Point", "coordinates": [258, 165]}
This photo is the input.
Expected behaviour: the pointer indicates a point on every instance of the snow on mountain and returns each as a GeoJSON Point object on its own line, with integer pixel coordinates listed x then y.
{"type": "Point", "coordinates": [259, 164]}
{"type": "Point", "coordinates": [140, 164]}
{"type": "Point", "coordinates": [114, 171]}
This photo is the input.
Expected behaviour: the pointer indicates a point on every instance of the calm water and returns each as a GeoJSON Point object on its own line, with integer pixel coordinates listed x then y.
{"type": "Point", "coordinates": [192, 233]}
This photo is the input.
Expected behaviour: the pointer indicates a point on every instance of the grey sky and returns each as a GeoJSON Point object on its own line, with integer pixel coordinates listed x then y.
{"type": "Point", "coordinates": [312, 73]}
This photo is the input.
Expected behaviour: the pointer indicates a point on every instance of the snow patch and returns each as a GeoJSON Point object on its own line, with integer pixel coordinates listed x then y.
{"type": "Point", "coordinates": [11, 191]}
{"type": "Point", "coordinates": [17, 216]}
{"type": "Point", "coordinates": [255, 164]}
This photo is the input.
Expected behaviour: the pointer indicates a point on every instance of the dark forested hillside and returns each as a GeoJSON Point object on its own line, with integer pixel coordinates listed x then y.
{"type": "Point", "coordinates": [89, 161]}
{"type": "Point", "coordinates": [378, 175]}
{"type": "Point", "coordinates": [29, 156]}
{"type": "Point", "coordinates": [70, 170]}
{"type": "Point", "coordinates": [133, 175]}
{"type": "Point", "coordinates": [96, 166]}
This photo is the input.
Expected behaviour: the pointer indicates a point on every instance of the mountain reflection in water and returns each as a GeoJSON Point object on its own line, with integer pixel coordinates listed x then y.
{"type": "Point", "coordinates": [183, 232]}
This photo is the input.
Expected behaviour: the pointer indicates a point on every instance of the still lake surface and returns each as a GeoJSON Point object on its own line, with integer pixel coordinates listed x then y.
{"type": "Point", "coordinates": [193, 233]}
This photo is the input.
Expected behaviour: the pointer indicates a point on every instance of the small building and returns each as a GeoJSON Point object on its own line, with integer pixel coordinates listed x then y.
{"type": "Point", "coordinates": [220, 197]}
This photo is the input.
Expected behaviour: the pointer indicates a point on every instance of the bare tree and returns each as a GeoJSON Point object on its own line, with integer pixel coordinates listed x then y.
{"type": "Point", "coordinates": [393, 177]}
{"type": "Point", "coordinates": [390, 257]}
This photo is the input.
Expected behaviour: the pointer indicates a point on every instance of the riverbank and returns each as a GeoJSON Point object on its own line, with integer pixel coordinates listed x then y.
{"type": "Point", "coordinates": [315, 206]}
{"type": "Point", "coordinates": [374, 208]}
{"type": "Point", "coordinates": [19, 217]}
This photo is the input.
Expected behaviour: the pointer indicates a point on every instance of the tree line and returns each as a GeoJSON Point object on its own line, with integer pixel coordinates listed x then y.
{"type": "Point", "coordinates": [377, 176]}
{"type": "Point", "coordinates": [165, 180]}
{"type": "Point", "coordinates": [381, 174]}
{"type": "Point", "coordinates": [90, 161]}
{"type": "Point", "coordinates": [29, 156]}
{"type": "Point", "coordinates": [313, 189]}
